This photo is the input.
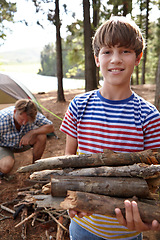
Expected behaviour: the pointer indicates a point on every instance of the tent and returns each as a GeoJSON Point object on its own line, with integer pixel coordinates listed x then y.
{"type": "Point", "coordinates": [11, 90]}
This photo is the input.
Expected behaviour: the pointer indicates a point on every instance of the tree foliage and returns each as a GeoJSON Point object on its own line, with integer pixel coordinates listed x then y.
{"type": "Point", "coordinates": [7, 11]}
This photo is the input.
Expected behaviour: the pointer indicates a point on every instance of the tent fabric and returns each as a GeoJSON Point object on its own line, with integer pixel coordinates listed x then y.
{"type": "Point", "coordinates": [11, 90]}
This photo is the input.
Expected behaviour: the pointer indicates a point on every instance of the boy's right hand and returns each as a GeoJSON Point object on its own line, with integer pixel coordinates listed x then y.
{"type": "Point", "coordinates": [72, 213]}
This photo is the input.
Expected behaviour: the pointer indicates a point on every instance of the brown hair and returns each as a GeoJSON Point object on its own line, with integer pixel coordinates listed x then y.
{"type": "Point", "coordinates": [28, 106]}
{"type": "Point", "coordinates": [118, 31]}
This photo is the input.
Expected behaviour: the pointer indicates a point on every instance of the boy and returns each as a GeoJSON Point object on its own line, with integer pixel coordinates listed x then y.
{"type": "Point", "coordinates": [112, 117]}
{"type": "Point", "coordinates": [21, 128]}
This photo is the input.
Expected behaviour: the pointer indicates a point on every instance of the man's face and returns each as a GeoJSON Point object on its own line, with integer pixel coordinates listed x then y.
{"type": "Point", "coordinates": [21, 118]}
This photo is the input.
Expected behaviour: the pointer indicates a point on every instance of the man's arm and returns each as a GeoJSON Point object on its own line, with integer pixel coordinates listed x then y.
{"type": "Point", "coordinates": [29, 137]}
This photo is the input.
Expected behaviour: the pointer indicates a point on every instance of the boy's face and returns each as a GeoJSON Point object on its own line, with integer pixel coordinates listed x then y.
{"type": "Point", "coordinates": [117, 64]}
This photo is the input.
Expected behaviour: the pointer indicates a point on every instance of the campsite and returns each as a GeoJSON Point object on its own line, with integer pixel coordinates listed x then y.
{"type": "Point", "coordinates": [55, 147]}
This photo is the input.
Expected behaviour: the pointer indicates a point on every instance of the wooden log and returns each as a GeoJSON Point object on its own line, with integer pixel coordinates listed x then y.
{"type": "Point", "coordinates": [105, 205]}
{"type": "Point", "coordinates": [107, 158]}
{"type": "Point", "coordinates": [43, 201]}
{"type": "Point", "coordinates": [136, 170]}
{"type": "Point", "coordinates": [45, 174]}
{"type": "Point", "coordinates": [119, 187]}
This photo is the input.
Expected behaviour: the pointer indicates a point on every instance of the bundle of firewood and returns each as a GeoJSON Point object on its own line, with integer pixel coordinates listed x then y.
{"type": "Point", "coordinates": [101, 182]}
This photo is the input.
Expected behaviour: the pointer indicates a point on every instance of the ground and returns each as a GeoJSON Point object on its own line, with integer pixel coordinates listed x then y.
{"type": "Point", "coordinates": [54, 147]}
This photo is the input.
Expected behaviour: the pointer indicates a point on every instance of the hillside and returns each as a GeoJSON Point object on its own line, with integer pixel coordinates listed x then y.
{"type": "Point", "coordinates": [28, 55]}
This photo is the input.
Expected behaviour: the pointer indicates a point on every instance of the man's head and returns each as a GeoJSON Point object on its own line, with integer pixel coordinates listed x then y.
{"type": "Point", "coordinates": [118, 31]}
{"type": "Point", "coordinates": [25, 111]}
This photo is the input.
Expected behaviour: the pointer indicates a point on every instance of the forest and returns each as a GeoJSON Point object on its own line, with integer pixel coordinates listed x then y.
{"type": "Point", "coordinates": [73, 56]}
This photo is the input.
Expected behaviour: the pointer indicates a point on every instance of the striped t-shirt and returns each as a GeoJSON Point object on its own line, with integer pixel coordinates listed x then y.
{"type": "Point", "coordinates": [128, 125]}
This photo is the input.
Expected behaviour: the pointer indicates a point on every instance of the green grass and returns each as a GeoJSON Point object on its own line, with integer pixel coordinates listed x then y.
{"type": "Point", "coordinates": [23, 67]}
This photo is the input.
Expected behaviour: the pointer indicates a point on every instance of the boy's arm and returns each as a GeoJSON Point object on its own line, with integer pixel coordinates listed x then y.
{"type": "Point", "coordinates": [133, 220]}
{"type": "Point", "coordinates": [71, 145]}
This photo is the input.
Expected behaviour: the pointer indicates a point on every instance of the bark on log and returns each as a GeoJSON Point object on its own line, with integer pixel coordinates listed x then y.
{"type": "Point", "coordinates": [137, 170]}
{"type": "Point", "coordinates": [43, 201]}
{"type": "Point", "coordinates": [105, 205]}
{"type": "Point", "coordinates": [119, 187]}
{"type": "Point", "coordinates": [107, 158]}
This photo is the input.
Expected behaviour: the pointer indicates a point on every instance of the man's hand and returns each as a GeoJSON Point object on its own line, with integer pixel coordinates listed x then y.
{"type": "Point", "coordinates": [133, 220]}
{"type": "Point", "coordinates": [27, 139]}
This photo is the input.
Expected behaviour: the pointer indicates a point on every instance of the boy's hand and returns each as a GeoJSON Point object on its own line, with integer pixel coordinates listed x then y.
{"type": "Point", "coordinates": [133, 220]}
{"type": "Point", "coordinates": [72, 213]}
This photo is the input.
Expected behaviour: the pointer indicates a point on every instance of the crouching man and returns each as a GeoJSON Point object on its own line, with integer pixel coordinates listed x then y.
{"type": "Point", "coordinates": [22, 128]}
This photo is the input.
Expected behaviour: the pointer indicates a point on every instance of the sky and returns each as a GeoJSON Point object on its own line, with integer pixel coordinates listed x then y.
{"type": "Point", "coordinates": [34, 36]}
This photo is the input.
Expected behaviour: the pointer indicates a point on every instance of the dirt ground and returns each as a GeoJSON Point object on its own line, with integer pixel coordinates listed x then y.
{"type": "Point", "coordinates": [55, 147]}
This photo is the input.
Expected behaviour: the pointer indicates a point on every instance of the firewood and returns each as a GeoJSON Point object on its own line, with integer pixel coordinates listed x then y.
{"type": "Point", "coordinates": [136, 170]}
{"type": "Point", "coordinates": [24, 225]}
{"type": "Point", "coordinates": [112, 186]}
{"type": "Point", "coordinates": [26, 219]}
{"type": "Point", "coordinates": [105, 205]}
{"type": "Point", "coordinates": [43, 201]}
{"type": "Point", "coordinates": [7, 209]}
{"type": "Point", "coordinates": [45, 174]}
{"type": "Point", "coordinates": [107, 158]}
{"type": "Point", "coordinates": [59, 235]}
{"type": "Point", "coordinates": [46, 189]}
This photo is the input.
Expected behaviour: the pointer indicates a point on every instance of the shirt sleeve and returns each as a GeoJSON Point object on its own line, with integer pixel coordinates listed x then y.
{"type": "Point", "coordinates": [69, 124]}
{"type": "Point", "coordinates": [41, 120]}
{"type": "Point", "coordinates": [151, 129]}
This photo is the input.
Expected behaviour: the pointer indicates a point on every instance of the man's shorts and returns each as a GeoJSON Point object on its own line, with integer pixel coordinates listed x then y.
{"type": "Point", "coordinates": [6, 151]}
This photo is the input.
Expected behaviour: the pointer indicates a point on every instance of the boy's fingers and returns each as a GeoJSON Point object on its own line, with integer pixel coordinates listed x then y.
{"type": "Point", "coordinates": [155, 225]}
{"type": "Point", "coordinates": [129, 215]}
{"type": "Point", "coordinates": [120, 217]}
{"type": "Point", "coordinates": [72, 213]}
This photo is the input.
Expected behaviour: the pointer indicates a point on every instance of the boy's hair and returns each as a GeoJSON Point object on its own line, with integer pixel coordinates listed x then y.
{"type": "Point", "coordinates": [28, 106]}
{"type": "Point", "coordinates": [119, 31]}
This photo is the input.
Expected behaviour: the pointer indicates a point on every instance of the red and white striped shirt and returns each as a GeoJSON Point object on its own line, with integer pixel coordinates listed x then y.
{"type": "Point", "coordinates": [128, 125]}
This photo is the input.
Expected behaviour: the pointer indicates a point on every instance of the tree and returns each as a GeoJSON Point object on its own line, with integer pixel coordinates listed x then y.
{"type": "Point", "coordinates": [157, 95]}
{"type": "Point", "coordinates": [90, 67]}
{"type": "Point", "coordinates": [53, 17]}
{"type": "Point", "coordinates": [60, 92]}
{"type": "Point", "coordinates": [146, 36]}
{"type": "Point", "coordinates": [7, 10]}
{"type": "Point", "coordinates": [48, 61]}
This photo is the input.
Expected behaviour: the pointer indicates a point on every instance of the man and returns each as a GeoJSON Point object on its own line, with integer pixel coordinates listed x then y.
{"type": "Point", "coordinates": [22, 127]}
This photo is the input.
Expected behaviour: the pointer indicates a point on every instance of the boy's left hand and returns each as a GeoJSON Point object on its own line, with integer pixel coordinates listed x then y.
{"type": "Point", "coordinates": [133, 220]}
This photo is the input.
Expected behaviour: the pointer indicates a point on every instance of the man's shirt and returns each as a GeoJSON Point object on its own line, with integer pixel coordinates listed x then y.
{"type": "Point", "coordinates": [9, 135]}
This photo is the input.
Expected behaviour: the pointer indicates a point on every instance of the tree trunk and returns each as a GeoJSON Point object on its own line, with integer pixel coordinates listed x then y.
{"type": "Point", "coordinates": [109, 186]}
{"type": "Point", "coordinates": [157, 95]}
{"type": "Point", "coordinates": [105, 205]}
{"type": "Point", "coordinates": [90, 67]}
{"type": "Point", "coordinates": [107, 158]}
{"type": "Point", "coordinates": [146, 37]}
{"type": "Point", "coordinates": [60, 92]}
{"type": "Point", "coordinates": [96, 8]}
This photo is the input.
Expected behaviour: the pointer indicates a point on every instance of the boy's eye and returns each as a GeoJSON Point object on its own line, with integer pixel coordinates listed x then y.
{"type": "Point", "coordinates": [126, 51]}
{"type": "Point", "coordinates": [106, 52]}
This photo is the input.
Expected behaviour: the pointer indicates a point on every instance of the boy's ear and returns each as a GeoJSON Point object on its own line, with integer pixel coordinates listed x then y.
{"type": "Point", "coordinates": [97, 61]}
{"type": "Point", "coordinates": [138, 59]}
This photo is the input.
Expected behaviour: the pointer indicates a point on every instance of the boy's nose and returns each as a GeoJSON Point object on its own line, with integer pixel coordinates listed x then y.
{"type": "Point", "coordinates": [116, 58]}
